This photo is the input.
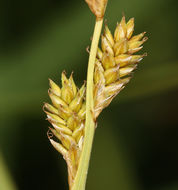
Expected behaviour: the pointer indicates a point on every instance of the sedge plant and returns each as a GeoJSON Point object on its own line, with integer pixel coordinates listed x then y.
{"type": "Point", "coordinates": [74, 111]}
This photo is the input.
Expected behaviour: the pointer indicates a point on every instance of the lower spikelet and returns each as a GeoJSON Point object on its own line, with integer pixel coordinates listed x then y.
{"type": "Point", "coordinates": [67, 116]}
{"type": "Point", "coordinates": [115, 62]}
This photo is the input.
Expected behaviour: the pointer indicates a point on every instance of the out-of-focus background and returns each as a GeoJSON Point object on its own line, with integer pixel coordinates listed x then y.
{"type": "Point", "coordinates": [135, 146]}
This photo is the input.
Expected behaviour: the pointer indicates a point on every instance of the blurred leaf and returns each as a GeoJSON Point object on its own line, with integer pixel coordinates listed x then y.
{"type": "Point", "coordinates": [6, 182]}
{"type": "Point", "coordinates": [168, 187]}
{"type": "Point", "coordinates": [111, 166]}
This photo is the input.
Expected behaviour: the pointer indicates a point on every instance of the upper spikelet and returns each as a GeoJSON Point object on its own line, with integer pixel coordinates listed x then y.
{"type": "Point", "coordinates": [115, 62]}
{"type": "Point", "coordinates": [67, 116]}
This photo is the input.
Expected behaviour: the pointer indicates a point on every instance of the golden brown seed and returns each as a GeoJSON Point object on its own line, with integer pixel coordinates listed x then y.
{"type": "Point", "coordinates": [113, 88]}
{"type": "Point", "coordinates": [64, 78]}
{"type": "Point", "coordinates": [58, 147]}
{"type": "Point", "coordinates": [98, 73]}
{"type": "Point", "coordinates": [126, 70]}
{"type": "Point", "coordinates": [67, 93]}
{"type": "Point", "coordinates": [72, 85]}
{"type": "Point", "coordinates": [123, 59]}
{"type": "Point", "coordinates": [50, 108]}
{"type": "Point", "coordinates": [99, 54]}
{"type": "Point", "coordinates": [111, 75]}
{"type": "Point", "coordinates": [73, 122]}
{"type": "Point", "coordinates": [57, 101]}
{"type": "Point", "coordinates": [55, 118]}
{"type": "Point", "coordinates": [78, 132]}
{"type": "Point", "coordinates": [106, 46]}
{"type": "Point", "coordinates": [67, 140]}
{"type": "Point", "coordinates": [108, 35]}
{"type": "Point", "coordinates": [134, 46]}
{"type": "Point", "coordinates": [121, 30]}
{"type": "Point", "coordinates": [61, 128]}
{"type": "Point", "coordinates": [130, 28]}
{"type": "Point", "coordinates": [82, 111]}
{"type": "Point", "coordinates": [138, 37]}
{"type": "Point", "coordinates": [76, 104]}
{"type": "Point", "coordinates": [108, 61]}
{"type": "Point", "coordinates": [55, 133]}
{"type": "Point", "coordinates": [121, 47]}
{"type": "Point", "coordinates": [64, 112]}
{"type": "Point", "coordinates": [55, 88]}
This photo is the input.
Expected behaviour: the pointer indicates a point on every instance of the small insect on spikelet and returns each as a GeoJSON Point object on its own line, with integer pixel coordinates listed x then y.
{"type": "Point", "coordinates": [115, 62]}
{"type": "Point", "coordinates": [67, 116]}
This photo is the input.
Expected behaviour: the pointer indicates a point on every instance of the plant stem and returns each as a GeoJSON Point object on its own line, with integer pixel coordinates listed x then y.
{"type": "Point", "coordinates": [80, 179]}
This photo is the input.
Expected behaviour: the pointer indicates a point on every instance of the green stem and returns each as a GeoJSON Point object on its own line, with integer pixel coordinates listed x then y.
{"type": "Point", "coordinates": [80, 179]}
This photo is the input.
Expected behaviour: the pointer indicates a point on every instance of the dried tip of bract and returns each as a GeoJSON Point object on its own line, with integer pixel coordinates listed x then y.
{"type": "Point", "coordinates": [97, 7]}
{"type": "Point", "coordinates": [88, 49]}
{"type": "Point", "coordinates": [49, 133]}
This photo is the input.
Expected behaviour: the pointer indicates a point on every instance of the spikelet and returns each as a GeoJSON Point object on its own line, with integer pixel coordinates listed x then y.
{"type": "Point", "coordinates": [67, 116]}
{"type": "Point", "coordinates": [115, 62]}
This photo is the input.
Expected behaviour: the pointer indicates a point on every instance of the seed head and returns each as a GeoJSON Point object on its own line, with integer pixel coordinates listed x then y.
{"type": "Point", "coordinates": [67, 116]}
{"type": "Point", "coordinates": [115, 62]}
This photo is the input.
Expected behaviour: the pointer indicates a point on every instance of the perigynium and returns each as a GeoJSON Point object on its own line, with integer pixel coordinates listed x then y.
{"type": "Point", "coordinates": [113, 65]}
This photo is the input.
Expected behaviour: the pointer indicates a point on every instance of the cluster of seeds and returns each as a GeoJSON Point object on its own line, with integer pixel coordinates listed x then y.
{"type": "Point", "coordinates": [67, 116]}
{"type": "Point", "coordinates": [114, 64]}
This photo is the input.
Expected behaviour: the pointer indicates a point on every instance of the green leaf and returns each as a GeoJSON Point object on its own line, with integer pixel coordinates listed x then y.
{"type": "Point", "coordinates": [6, 180]}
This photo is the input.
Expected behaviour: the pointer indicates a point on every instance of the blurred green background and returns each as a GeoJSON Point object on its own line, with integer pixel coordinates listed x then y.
{"type": "Point", "coordinates": [135, 146]}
